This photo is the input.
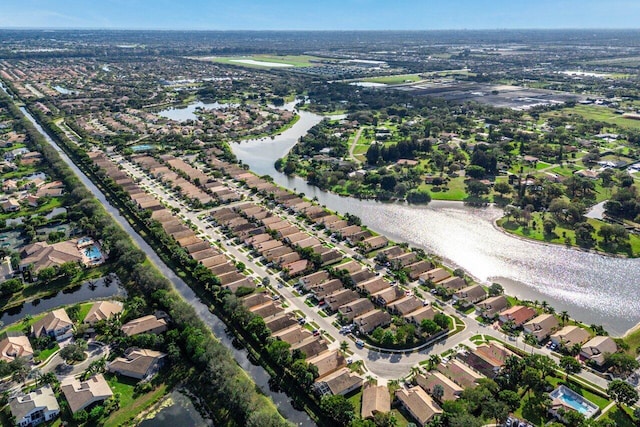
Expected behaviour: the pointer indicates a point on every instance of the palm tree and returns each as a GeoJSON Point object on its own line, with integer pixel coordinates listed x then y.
{"type": "Point", "coordinates": [564, 317]}
{"type": "Point", "coordinates": [434, 360]}
{"type": "Point", "coordinates": [344, 346]}
{"type": "Point", "coordinates": [544, 305]}
{"type": "Point", "coordinates": [437, 392]}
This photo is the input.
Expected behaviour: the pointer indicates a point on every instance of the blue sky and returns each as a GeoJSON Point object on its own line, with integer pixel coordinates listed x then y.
{"type": "Point", "coordinates": [320, 14]}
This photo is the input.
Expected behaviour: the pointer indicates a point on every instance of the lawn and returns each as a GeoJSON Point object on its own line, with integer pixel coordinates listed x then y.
{"type": "Point", "coordinates": [602, 114]}
{"type": "Point", "coordinates": [293, 60]}
{"type": "Point", "coordinates": [84, 309]}
{"type": "Point", "coordinates": [560, 233]}
{"type": "Point", "coordinates": [394, 80]}
{"type": "Point", "coordinates": [44, 354]}
{"type": "Point", "coordinates": [356, 399]}
{"type": "Point", "coordinates": [130, 404]}
{"type": "Point", "coordinates": [621, 418]}
{"type": "Point", "coordinates": [455, 190]}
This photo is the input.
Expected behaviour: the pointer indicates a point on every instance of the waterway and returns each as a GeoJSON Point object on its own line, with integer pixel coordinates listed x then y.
{"type": "Point", "coordinates": [91, 290]}
{"type": "Point", "coordinates": [592, 288]}
{"type": "Point", "coordinates": [189, 112]}
{"type": "Point", "coordinates": [180, 412]}
{"type": "Point", "coordinates": [257, 373]}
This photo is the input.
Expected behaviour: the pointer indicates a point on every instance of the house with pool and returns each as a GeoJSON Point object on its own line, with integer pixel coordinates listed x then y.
{"type": "Point", "coordinates": [563, 399]}
{"type": "Point", "coordinates": [40, 255]}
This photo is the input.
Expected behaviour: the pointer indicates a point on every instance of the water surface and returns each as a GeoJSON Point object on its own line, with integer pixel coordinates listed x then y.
{"type": "Point", "coordinates": [593, 288]}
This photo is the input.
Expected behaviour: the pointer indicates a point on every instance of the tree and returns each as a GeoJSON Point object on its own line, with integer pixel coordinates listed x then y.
{"type": "Point", "coordinates": [441, 320]}
{"type": "Point", "coordinates": [46, 274]}
{"type": "Point", "coordinates": [510, 398]}
{"type": "Point", "coordinates": [570, 365]}
{"type": "Point", "coordinates": [475, 171]}
{"type": "Point", "coordinates": [72, 353]}
{"type": "Point", "coordinates": [438, 392]}
{"type": "Point", "coordinates": [428, 326]}
{"type": "Point", "coordinates": [621, 363]}
{"type": "Point", "coordinates": [502, 188]}
{"type": "Point", "coordinates": [564, 317]}
{"type": "Point", "coordinates": [495, 289]}
{"type": "Point", "coordinates": [477, 188]}
{"type": "Point", "coordinates": [344, 346]}
{"type": "Point", "coordinates": [338, 408]}
{"type": "Point", "coordinates": [622, 392]}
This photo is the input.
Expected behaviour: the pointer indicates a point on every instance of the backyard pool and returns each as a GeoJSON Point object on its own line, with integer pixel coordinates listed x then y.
{"type": "Point", "coordinates": [575, 401]}
{"type": "Point", "coordinates": [92, 253]}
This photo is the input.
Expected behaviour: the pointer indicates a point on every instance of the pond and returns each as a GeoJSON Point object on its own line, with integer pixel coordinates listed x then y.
{"type": "Point", "coordinates": [179, 411]}
{"type": "Point", "coordinates": [591, 287]}
{"type": "Point", "coordinates": [94, 289]}
{"type": "Point", "coordinates": [182, 114]}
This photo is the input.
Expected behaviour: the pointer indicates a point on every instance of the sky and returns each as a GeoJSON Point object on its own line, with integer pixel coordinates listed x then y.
{"type": "Point", "coordinates": [319, 14]}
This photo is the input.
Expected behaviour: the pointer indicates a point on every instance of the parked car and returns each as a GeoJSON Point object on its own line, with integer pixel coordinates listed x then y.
{"type": "Point", "coordinates": [359, 343]}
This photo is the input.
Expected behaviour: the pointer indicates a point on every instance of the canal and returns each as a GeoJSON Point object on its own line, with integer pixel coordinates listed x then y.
{"type": "Point", "coordinates": [91, 290]}
{"type": "Point", "coordinates": [257, 373]}
{"type": "Point", "coordinates": [592, 288]}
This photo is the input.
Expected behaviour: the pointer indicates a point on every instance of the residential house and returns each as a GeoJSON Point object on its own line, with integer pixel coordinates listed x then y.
{"type": "Point", "coordinates": [369, 321]}
{"type": "Point", "coordinates": [434, 276]}
{"type": "Point", "coordinates": [403, 260]}
{"type": "Point", "coordinates": [326, 288]}
{"type": "Point", "coordinates": [375, 400]}
{"type": "Point", "coordinates": [10, 205]}
{"type": "Point", "coordinates": [313, 279]}
{"type": "Point", "coordinates": [387, 296]}
{"type": "Point", "coordinates": [40, 255]}
{"type": "Point", "coordinates": [373, 285]}
{"type": "Point", "coordinates": [451, 390]}
{"type": "Point", "coordinates": [419, 404]}
{"type": "Point", "coordinates": [373, 243]}
{"type": "Point", "coordinates": [469, 295]}
{"type": "Point", "coordinates": [418, 268]}
{"type": "Point", "coordinates": [34, 408]}
{"type": "Point", "coordinates": [355, 308]}
{"type": "Point", "coordinates": [452, 284]}
{"type": "Point", "coordinates": [137, 363]}
{"type": "Point", "coordinates": [337, 299]}
{"type": "Point", "coordinates": [341, 382]}
{"type": "Point", "coordinates": [328, 362]}
{"type": "Point", "coordinates": [597, 349]}
{"type": "Point", "coordinates": [541, 327]}
{"type": "Point", "coordinates": [150, 324]}
{"type": "Point", "coordinates": [311, 346]}
{"type": "Point", "coordinates": [102, 310]}
{"type": "Point", "coordinates": [279, 321]}
{"type": "Point", "coordinates": [492, 306]}
{"type": "Point", "coordinates": [486, 358]}
{"type": "Point", "coordinates": [56, 324]}
{"type": "Point", "coordinates": [405, 305]}
{"type": "Point", "coordinates": [569, 336]}
{"type": "Point", "coordinates": [518, 314]}
{"type": "Point", "coordinates": [293, 334]}
{"type": "Point", "coordinates": [14, 345]}
{"type": "Point", "coordinates": [460, 373]}
{"type": "Point", "coordinates": [82, 394]}
{"type": "Point", "coordinates": [422, 313]}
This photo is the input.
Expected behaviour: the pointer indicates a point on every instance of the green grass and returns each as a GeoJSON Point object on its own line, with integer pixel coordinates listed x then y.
{"type": "Point", "coordinates": [601, 114]}
{"type": "Point", "coordinates": [560, 233]}
{"type": "Point", "coordinates": [84, 309]}
{"type": "Point", "coordinates": [395, 79]}
{"type": "Point", "coordinates": [130, 404]}
{"type": "Point", "coordinates": [622, 418]}
{"type": "Point", "coordinates": [455, 190]}
{"type": "Point", "coordinates": [356, 399]}
{"type": "Point", "coordinates": [599, 401]}
{"type": "Point", "coordinates": [44, 354]}
{"type": "Point", "coordinates": [294, 60]}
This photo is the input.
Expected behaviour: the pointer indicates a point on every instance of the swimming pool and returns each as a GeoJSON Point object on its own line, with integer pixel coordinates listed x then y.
{"type": "Point", "coordinates": [84, 240]}
{"type": "Point", "coordinates": [93, 253]}
{"type": "Point", "coordinates": [574, 400]}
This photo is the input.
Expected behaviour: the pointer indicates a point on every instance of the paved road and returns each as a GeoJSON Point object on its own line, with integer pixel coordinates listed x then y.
{"type": "Point", "coordinates": [384, 366]}
{"type": "Point", "coordinates": [256, 372]}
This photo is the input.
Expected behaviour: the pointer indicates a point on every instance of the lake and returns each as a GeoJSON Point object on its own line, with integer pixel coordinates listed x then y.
{"type": "Point", "coordinates": [591, 287]}
{"type": "Point", "coordinates": [182, 114]}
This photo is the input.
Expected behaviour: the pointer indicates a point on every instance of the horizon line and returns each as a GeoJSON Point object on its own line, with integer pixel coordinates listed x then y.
{"type": "Point", "coordinates": [20, 28]}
